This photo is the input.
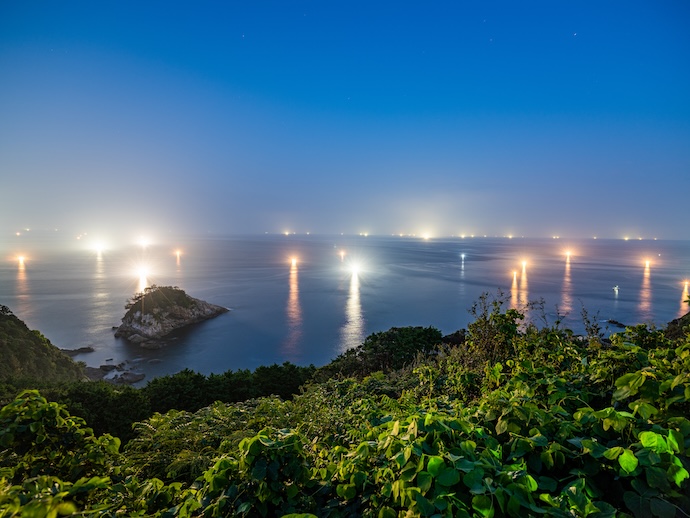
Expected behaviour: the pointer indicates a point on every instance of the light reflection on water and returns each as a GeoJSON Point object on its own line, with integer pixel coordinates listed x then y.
{"type": "Point", "coordinates": [352, 333]}
{"type": "Point", "coordinates": [22, 290]}
{"type": "Point", "coordinates": [294, 316]}
{"type": "Point", "coordinates": [646, 294]}
{"type": "Point", "coordinates": [684, 306]}
{"type": "Point", "coordinates": [523, 292]}
{"type": "Point", "coordinates": [566, 292]}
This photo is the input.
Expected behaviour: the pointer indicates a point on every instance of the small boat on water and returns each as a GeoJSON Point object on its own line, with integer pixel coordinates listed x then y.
{"type": "Point", "coordinates": [615, 288]}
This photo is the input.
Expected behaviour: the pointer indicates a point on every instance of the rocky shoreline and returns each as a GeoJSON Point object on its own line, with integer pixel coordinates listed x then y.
{"type": "Point", "coordinates": [117, 374]}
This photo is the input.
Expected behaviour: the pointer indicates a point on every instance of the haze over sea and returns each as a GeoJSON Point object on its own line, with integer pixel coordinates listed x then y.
{"type": "Point", "coordinates": [305, 299]}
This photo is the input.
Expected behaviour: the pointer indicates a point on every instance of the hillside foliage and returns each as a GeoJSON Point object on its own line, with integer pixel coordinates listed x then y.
{"type": "Point", "coordinates": [28, 355]}
{"type": "Point", "coordinates": [547, 424]}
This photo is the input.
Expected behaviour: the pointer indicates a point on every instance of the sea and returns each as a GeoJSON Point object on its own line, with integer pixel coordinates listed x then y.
{"type": "Point", "coordinates": [306, 299]}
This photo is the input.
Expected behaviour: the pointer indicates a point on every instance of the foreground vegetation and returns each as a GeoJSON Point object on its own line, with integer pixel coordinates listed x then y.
{"type": "Point", "coordinates": [506, 419]}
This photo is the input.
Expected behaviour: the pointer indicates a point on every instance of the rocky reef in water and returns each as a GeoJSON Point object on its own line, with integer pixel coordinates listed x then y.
{"type": "Point", "coordinates": [160, 310]}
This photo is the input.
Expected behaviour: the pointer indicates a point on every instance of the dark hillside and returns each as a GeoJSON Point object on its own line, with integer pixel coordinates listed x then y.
{"type": "Point", "coordinates": [27, 354]}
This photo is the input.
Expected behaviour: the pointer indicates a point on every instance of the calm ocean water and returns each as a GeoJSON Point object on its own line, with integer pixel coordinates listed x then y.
{"type": "Point", "coordinates": [339, 290]}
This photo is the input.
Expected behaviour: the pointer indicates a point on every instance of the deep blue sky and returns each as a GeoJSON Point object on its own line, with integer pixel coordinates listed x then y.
{"type": "Point", "coordinates": [530, 118]}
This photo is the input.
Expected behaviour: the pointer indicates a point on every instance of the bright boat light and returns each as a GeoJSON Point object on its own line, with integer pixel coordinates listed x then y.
{"type": "Point", "coordinates": [98, 247]}
{"type": "Point", "coordinates": [293, 262]}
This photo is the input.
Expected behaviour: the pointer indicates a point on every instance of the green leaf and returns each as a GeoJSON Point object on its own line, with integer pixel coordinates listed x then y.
{"type": "Point", "coordinates": [501, 426]}
{"type": "Point", "coordinates": [547, 483]}
{"type": "Point", "coordinates": [676, 441]}
{"type": "Point", "coordinates": [292, 490]}
{"type": "Point", "coordinates": [547, 459]}
{"type": "Point", "coordinates": [654, 442]}
{"type": "Point", "coordinates": [677, 474]}
{"type": "Point", "coordinates": [613, 453]}
{"type": "Point", "coordinates": [656, 477]}
{"type": "Point", "coordinates": [483, 505]}
{"type": "Point", "coordinates": [424, 481]}
{"type": "Point", "coordinates": [628, 461]}
{"type": "Point", "coordinates": [448, 477]}
{"type": "Point", "coordinates": [346, 491]}
{"type": "Point", "coordinates": [662, 508]}
{"type": "Point", "coordinates": [435, 465]}
{"type": "Point", "coordinates": [387, 512]}
{"type": "Point", "coordinates": [425, 505]}
{"type": "Point", "coordinates": [475, 480]}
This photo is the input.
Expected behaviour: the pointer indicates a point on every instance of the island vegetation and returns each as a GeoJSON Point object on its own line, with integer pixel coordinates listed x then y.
{"type": "Point", "coordinates": [159, 310]}
{"type": "Point", "coordinates": [505, 418]}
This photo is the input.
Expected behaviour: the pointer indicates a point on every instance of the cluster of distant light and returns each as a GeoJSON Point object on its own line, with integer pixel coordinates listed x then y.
{"type": "Point", "coordinates": [430, 235]}
{"type": "Point", "coordinates": [143, 270]}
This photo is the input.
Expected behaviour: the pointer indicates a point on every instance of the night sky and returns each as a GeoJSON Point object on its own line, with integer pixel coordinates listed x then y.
{"type": "Point", "coordinates": [534, 118]}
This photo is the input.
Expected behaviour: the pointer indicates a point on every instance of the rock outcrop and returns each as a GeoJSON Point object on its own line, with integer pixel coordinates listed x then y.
{"type": "Point", "coordinates": [159, 310]}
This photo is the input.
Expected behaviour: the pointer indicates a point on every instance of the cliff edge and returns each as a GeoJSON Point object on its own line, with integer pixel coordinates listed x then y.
{"type": "Point", "coordinates": [159, 310]}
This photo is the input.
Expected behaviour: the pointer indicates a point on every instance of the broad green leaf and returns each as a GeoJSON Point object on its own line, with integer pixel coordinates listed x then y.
{"type": "Point", "coordinates": [475, 480]}
{"type": "Point", "coordinates": [644, 409]}
{"type": "Point", "coordinates": [502, 426]}
{"type": "Point", "coordinates": [547, 459]}
{"type": "Point", "coordinates": [346, 491]}
{"type": "Point", "coordinates": [653, 441]}
{"type": "Point", "coordinates": [424, 504]}
{"type": "Point", "coordinates": [628, 461]}
{"type": "Point", "coordinates": [547, 483]}
{"type": "Point", "coordinates": [678, 474]}
{"type": "Point", "coordinates": [676, 441]}
{"type": "Point", "coordinates": [656, 477]}
{"type": "Point", "coordinates": [435, 465]}
{"type": "Point", "coordinates": [424, 481]}
{"type": "Point", "coordinates": [613, 453]}
{"type": "Point", "coordinates": [448, 477]}
{"type": "Point", "coordinates": [387, 512]}
{"type": "Point", "coordinates": [483, 505]}
{"type": "Point", "coordinates": [662, 508]}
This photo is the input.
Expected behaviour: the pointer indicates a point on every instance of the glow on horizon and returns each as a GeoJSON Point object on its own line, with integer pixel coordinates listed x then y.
{"type": "Point", "coordinates": [293, 262]}
{"type": "Point", "coordinates": [98, 246]}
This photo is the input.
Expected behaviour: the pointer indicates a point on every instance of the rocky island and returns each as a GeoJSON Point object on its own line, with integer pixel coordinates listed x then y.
{"type": "Point", "coordinates": [159, 310]}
